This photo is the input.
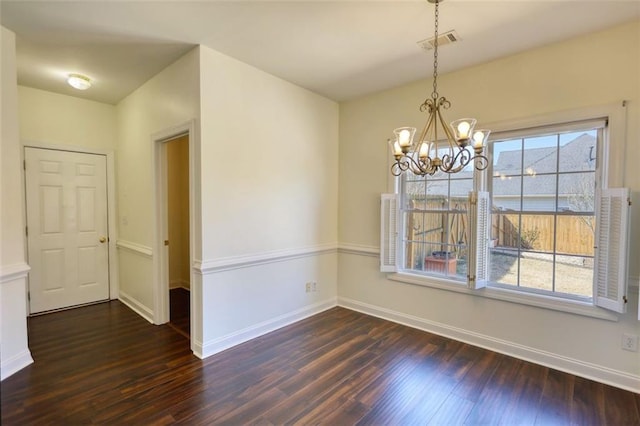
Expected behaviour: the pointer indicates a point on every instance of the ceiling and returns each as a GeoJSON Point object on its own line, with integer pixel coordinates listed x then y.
{"type": "Point", "coordinates": [340, 49]}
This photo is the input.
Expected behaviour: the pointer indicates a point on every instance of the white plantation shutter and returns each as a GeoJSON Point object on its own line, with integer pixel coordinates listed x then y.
{"type": "Point", "coordinates": [612, 239]}
{"type": "Point", "coordinates": [478, 253]}
{"type": "Point", "coordinates": [389, 232]}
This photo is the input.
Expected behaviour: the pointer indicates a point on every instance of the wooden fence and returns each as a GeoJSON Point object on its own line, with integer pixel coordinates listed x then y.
{"type": "Point", "coordinates": [536, 232]}
{"type": "Point", "coordinates": [434, 231]}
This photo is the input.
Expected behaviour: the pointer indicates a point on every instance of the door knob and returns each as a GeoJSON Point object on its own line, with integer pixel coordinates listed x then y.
{"type": "Point", "coordinates": [103, 239]}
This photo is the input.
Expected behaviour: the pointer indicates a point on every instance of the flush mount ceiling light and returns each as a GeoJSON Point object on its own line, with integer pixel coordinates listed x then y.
{"type": "Point", "coordinates": [448, 151]}
{"type": "Point", "coordinates": [79, 81]}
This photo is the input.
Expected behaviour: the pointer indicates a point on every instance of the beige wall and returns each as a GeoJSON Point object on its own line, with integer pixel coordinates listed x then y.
{"type": "Point", "coordinates": [169, 99]}
{"type": "Point", "coordinates": [14, 353]}
{"type": "Point", "coordinates": [54, 119]}
{"type": "Point", "coordinates": [178, 211]}
{"type": "Point", "coordinates": [592, 70]}
{"type": "Point", "coordinates": [269, 159]}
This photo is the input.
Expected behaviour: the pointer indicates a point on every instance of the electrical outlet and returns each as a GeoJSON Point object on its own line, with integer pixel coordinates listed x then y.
{"type": "Point", "coordinates": [313, 286]}
{"type": "Point", "coordinates": [630, 342]}
{"type": "Point", "coordinates": [307, 287]}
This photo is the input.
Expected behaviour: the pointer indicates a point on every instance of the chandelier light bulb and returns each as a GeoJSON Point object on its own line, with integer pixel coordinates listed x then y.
{"type": "Point", "coordinates": [79, 81]}
{"type": "Point", "coordinates": [404, 138]}
{"type": "Point", "coordinates": [424, 150]}
{"type": "Point", "coordinates": [480, 139]}
{"type": "Point", "coordinates": [463, 129]}
{"type": "Point", "coordinates": [397, 150]}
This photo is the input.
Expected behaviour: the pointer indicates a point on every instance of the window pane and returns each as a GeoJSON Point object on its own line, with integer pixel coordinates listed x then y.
{"type": "Point", "coordinates": [504, 266]}
{"type": "Point", "coordinates": [415, 189]}
{"type": "Point", "coordinates": [427, 227]}
{"type": "Point", "coordinates": [537, 232]}
{"type": "Point", "coordinates": [539, 193]}
{"type": "Point", "coordinates": [536, 271]}
{"type": "Point", "coordinates": [576, 235]}
{"type": "Point", "coordinates": [460, 191]}
{"type": "Point", "coordinates": [507, 157]}
{"type": "Point", "coordinates": [504, 230]}
{"type": "Point", "coordinates": [540, 155]}
{"type": "Point", "coordinates": [577, 192]}
{"type": "Point", "coordinates": [578, 151]}
{"type": "Point", "coordinates": [574, 275]}
{"type": "Point", "coordinates": [506, 192]}
{"type": "Point", "coordinates": [438, 192]}
{"type": "Point", "coordinates": [442, 259]}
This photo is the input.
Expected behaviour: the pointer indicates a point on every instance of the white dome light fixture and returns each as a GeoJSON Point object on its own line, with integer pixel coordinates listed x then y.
{"type": "Point", "coordinates": [79, 81]}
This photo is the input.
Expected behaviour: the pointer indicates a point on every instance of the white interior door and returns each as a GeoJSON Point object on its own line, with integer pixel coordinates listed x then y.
{"type": "Point", "coordinates": [66, 228]}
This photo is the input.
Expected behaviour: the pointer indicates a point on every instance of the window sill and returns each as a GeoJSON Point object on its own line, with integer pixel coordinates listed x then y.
{"type": "Point", "coordinates": [540, 301]}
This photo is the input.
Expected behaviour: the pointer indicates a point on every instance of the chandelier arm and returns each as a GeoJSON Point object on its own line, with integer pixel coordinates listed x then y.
{"type": "Point", "coordinates": [399, 167]}
{"type": "Point", "coordinates": [481, 162]}
{"type": "Point", "coordinates": [462, 157]}
{"type": "Point", "coordinates": [447, 131]}
{"type": "Point", "coordinates": [427, 127]}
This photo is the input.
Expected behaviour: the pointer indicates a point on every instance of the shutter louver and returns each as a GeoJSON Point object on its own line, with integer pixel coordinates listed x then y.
{"type": "Point", "coordinates": [482, 240]}
{"type": "Point", "coordinates": [612, 236]}
{"type": "Point", "coordinates": [478, 253]}
{"type": "Point", "coordinates": [388, 232]}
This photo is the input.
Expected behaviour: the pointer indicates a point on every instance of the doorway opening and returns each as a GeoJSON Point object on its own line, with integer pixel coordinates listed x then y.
{"type": "Point", "coordinates": [179, 263]}
{"type": "Point", "coordinates": [174, 237]}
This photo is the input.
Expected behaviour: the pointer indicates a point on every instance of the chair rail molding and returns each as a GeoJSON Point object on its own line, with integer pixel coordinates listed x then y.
{"type": "Point", "coordinates": [359, 249]}
{"type": "Point", "coordinates": [136, 248]}
{"type": "Point", "coordinates": [13, 272]}
{"type": "Point", "coordinates": [205, 267]}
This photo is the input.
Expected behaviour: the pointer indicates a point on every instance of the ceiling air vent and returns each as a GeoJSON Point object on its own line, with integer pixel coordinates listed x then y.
{"type": "Point", "coordinates": [444, 39]}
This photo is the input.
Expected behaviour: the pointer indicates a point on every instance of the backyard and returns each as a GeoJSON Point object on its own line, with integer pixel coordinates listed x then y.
{"type": "Point", "coordinates": [574, 274]}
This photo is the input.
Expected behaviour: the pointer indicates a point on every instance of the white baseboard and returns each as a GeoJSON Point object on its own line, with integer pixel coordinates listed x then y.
{"type": "Point", "coordinates": [225, 342]}
{"type": "Point", "coordinates": [136, 306]}
{"type": "Point", "coordinates": [15, 364]}
{"type": "Point", "coordinates": [587, 370]}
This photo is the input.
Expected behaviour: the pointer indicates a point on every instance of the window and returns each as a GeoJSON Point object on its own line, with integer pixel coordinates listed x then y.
{"type": "Point", "coordinates": [543, 192]}
{"type": "Point", "coordinates": [544, 212]}
{"type": "Point", "coordinates": [435, 216]}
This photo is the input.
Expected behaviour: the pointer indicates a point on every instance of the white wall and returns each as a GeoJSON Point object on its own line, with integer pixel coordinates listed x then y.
{"type": "Point", "coordinates": [269, 159]}
{"type": "Point", "coordinates": [169, 99]}
{"type": "Point", "coordinates": [592, 70]}
{"type": "Point", "coordinates": [14, 353]}
{"type": "Point", "coordinates": [55, 119]}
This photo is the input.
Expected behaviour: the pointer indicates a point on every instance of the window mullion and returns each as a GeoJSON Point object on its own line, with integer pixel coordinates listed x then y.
{"type": "Point", "coordinates": [555, 216]}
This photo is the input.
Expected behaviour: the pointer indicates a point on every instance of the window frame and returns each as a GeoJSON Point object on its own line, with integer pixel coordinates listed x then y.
{"type": "Point", "coordinates": [612, 166]}
{"type": "Point", "coordinates": [600, 125]}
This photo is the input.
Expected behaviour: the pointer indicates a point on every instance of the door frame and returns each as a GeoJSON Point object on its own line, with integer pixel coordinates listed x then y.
{"type": "Point", "coordinates": [160, 251]}
{"type": "Point", "coordinates": [114, 284]}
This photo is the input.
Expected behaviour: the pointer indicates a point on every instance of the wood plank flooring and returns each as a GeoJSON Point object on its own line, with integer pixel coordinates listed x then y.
{"type": "Point", "coordinates": [179, 310]}
{"type": "Point", "coordinates": [103, 364]}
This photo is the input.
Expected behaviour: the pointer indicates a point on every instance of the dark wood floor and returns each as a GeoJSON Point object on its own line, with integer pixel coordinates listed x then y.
{"type": "Point", "coordinates": [104, 364]}
{"type": "Point", "coordinates": [179, 310]}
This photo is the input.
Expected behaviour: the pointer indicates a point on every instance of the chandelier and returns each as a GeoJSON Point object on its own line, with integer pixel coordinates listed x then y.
{"type": "Point", "coordinates": [448, 150]}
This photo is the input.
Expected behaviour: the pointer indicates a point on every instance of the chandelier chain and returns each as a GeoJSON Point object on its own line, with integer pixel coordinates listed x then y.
{"type": "Point", "coordinates": [428, 154]}
{"type": "Point", "coordinates": [434, 94]}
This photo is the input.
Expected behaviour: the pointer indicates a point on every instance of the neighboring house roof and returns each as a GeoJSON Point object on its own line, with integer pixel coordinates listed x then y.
{"type": "Point", "coordinates": [575, 156]}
